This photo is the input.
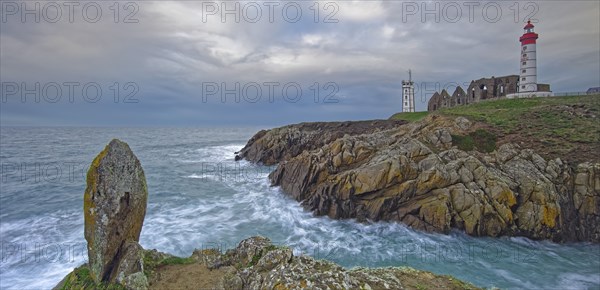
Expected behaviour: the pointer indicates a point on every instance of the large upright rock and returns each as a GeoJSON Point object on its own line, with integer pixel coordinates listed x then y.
{"type": "Point", "coordinates": [114, 209]}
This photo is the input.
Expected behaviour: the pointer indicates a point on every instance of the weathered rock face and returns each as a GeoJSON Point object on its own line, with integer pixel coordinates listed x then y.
{"type": "Point", "coordinates": [413, 174]}
{"type": "Point", "coordinates": [257, 264]}
{"type": "Point", "coordinates": [586, 200]}
{"type": "Point", "coordinates": [270, 147]}
{"type": "Point", "coordinates": [114, 208]}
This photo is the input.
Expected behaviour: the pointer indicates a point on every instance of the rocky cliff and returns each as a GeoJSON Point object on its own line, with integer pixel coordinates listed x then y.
{"type": "Point", "coordinates": [270, 147]}
{"type": "Point", "coordinates": [435, 174]}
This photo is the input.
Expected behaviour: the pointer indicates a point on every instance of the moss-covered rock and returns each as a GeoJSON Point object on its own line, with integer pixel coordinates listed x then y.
{"type": "Point", "coordinates": [81, 279]}
{"type": "Point", "coordinates": [114, 208]}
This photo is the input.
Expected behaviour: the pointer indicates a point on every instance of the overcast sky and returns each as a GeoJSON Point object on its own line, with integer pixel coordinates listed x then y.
{"type": "Point", "coordinates": [177, 63]}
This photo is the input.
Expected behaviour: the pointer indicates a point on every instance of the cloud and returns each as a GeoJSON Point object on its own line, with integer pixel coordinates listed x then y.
{"type": "Point", "coordinates": [312, 39]}
{"type": "Point", "coordinates": [176, 48]}
{"type": "Point", "coordinates": [388, 31]}
{"type": "Point", "coordinates": [359, 11]}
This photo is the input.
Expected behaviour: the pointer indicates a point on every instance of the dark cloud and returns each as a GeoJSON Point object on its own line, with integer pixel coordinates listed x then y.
{"type": "Point", "coordinates": [171, 54]}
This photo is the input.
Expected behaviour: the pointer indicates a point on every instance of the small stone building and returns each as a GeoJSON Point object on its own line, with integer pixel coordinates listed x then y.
{"type": "Point", "coordinates": [459, 97]}
{"type": "Point", "coordinates": [435, 102]}
{"type": "Point", "coordinates": [491, 88]}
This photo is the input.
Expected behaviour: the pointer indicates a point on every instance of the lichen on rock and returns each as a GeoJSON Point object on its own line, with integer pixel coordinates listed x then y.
{"type": "Point", "coordinates": [114, 208]}
{"type": "Point", "coordinates": [415, 174]}
{"type": "Point", "coordinates": [276, 267]}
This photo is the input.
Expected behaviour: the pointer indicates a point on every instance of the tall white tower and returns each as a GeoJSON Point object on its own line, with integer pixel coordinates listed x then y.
{"type": "Point", "coordinates": [528, 75]}
{"type": "Point", "coordinates": [408, 94]}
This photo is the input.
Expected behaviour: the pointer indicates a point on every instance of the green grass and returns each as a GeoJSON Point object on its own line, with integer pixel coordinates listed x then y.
{"type": "Point", "coordinates": [464, 143]}
{"type": "Point", "coordinates": [509, 115]}
{"type": "Point", "coordinates": [567, 127]}
{"type": "Point", "coordinates": [480, 139]}
{"type": "Point", "coordinates": [150, 264]}
{"type": "Point", "coordinates": [80, 279]}
{"type": "Point", "coordinates": [485, 141]}
{"type": "Point", "coordinates": [411, 117]}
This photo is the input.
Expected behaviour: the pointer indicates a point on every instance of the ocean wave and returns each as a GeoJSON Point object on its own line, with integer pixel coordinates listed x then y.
{"type": "Point", "coordinates": [193, 208]}
{"type": "Point", "coordinates": [38, 251]}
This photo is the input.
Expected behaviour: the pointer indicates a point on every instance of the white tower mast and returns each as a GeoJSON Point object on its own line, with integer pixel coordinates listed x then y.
{"type": "Point", "coordinates": [408, 94]}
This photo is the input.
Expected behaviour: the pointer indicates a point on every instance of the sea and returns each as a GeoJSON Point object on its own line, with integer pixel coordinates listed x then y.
{"type": "Point", "coordinates": [199, 198]}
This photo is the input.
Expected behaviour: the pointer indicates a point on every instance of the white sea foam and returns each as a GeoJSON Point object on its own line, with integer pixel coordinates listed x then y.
{"type": "Point", "coordinates": [192, 208]}
{"type": "Point", "coordinates": [578, 281]}
{"type": "Point", "coordinates": [223, 153]}
{"type": "Point", "coordinates": [51, 249]}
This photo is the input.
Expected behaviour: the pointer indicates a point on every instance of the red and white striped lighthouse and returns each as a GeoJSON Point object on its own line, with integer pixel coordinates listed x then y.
{"type": "Point", "coordinates": [528, 76]}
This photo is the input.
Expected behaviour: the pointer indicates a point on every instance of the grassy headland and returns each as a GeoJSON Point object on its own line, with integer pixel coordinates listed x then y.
{"type": "Point", "coordinates": [566, 127]}
{"type": "Point", "coordinates": [411, 117]}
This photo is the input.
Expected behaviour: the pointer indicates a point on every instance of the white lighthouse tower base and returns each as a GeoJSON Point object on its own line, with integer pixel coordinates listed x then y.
{"type": "Point", "coordinates": [529, 95]}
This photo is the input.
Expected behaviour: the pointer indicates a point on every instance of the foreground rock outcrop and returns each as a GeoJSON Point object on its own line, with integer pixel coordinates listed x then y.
{"type": "Point", "coordinates": [114, 209]}
{"type": "Point", "coordinates": [257, 264]}
{"type": "Point", "coordinates": [416, 174]}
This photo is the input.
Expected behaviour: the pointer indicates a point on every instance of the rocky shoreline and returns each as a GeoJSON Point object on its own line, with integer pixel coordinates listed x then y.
{"type": "Point", "coordinates": [425, 175]}
{"type": "Point", "coordinates": [115, 202]}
